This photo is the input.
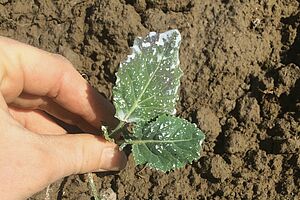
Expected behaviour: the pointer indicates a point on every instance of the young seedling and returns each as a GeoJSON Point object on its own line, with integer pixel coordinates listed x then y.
{"type": "Point", "coordinates": [145, 97]}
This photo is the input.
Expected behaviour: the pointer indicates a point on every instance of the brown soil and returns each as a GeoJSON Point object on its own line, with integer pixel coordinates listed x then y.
{"type": "Point", "coordinates": [241, 87]}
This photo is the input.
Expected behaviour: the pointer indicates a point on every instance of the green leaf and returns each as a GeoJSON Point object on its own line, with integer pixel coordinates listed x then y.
{"type": "Point", "coordinates": [148, 81]}
{"type": "Point", "coordinates": [167, 143]}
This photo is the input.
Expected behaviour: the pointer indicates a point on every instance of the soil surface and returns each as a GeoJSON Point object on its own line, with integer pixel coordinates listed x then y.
{"type": "Point", "coordinates": [241, 86]}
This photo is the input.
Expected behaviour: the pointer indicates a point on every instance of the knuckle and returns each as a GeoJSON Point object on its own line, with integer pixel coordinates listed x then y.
{"type": "Point", "coordinates": [62, 59]}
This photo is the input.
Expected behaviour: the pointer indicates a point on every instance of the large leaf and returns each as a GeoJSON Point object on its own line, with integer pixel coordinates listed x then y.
{"type": "Point", "coordinates": [167, 143]}
{"type": "Point", "coordinates": [148, 81]}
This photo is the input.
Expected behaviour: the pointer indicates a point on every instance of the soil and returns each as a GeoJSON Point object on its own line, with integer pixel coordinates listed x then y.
{"type": "Point", "coordinates": [241, 86]}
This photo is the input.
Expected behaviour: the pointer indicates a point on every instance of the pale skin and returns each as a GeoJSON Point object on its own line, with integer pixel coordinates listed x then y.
{"type": "Point", "coordinates": [34, 150]}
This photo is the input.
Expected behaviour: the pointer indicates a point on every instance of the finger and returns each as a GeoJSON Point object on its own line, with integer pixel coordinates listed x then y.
{"type": "Point", "coordinates": [70, 118]}
{"type": "Point", "coordinates": [46, 104]}
{"type": "Point", "coordinates": [36, 121]}
{"type": "Point", "coordinates": [33, 71]}
{"type": "Point", "coordinates": [81, 153]}
{"type": "Point", "coordinates": [3, 104]}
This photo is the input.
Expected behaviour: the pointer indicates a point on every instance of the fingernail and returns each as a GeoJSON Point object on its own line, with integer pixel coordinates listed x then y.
{"type": "Point", "coordinates": [113, 160]}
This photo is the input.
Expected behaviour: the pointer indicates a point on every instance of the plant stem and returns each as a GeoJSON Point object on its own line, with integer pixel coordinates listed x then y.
{"type": "Point", "coordinates": [93, 186]}
{"type": "Point", "coordinates": [47, 197]}
{"type": "Point", "coordinates": [114, 132]}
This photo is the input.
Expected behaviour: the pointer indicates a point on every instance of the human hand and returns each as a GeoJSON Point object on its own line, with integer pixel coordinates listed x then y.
{"type": "Point", "coordinates": [34, 150]}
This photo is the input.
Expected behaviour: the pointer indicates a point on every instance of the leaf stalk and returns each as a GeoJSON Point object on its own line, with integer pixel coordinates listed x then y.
{"type": "Point", "coordinates": [116, 130]}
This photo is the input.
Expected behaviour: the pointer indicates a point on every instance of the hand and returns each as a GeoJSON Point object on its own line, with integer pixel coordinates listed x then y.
{"type": "Point", "coordinates": [34, 150]}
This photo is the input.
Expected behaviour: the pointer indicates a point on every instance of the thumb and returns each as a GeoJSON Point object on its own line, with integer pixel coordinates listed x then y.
{"type": "Point", "coordinates": [81, 153]}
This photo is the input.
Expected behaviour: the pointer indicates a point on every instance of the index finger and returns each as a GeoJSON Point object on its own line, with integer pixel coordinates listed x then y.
{"type": "Point", "coordinates": [27, 69]}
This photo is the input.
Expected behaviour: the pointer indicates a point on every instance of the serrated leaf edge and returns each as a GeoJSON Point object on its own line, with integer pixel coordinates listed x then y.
{"type": "Point", "coordinates": [152, 165]}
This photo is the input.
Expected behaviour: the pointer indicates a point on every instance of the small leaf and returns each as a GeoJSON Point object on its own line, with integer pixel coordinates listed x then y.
{"type": "Point", "coordinates": [148, 81]}
{"type": "Point", "coordinates": [106, 134]}
{"type": "Point", "coordinates": [167, 143]}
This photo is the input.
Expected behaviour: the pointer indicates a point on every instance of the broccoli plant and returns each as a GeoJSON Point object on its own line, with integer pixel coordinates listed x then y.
{"type": "Point", "coordinates": [145, 97]}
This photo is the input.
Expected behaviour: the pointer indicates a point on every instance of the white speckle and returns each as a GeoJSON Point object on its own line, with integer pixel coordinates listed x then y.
{"type": "Point", "coordinates": [163, 134]}
{"type": "Point", "coordinates": [159, 57]}
{"type": "Point", "coordinates": [158, 148]}
{"type": "Point", "coordinates": [154, 51]}
{"type": "Point", "coordinates": [147, 44]}
{"type": "Point", "coordinates": [160, 42]}
{"type": "Point", "coordinates": [200, 143]}
{"type": "Point", "coordinates": [151, 34]}
{"type": "Point", "coordinates": [161, 126]}
{"type": "Point", "coordinates": [169, 92]}
{"type": "Point", "coordinates": [174, 112]}
{"type": "Point", "coordinates": [173, 66]}
{"type": "Point", "coordinates": [132, 56]}
{"type": "Point", "coordinates": [129, 58]}
{"type": "Point", "coordinates": [136, 49]}
{"type": "Point", "coordinates": [120, 114]}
